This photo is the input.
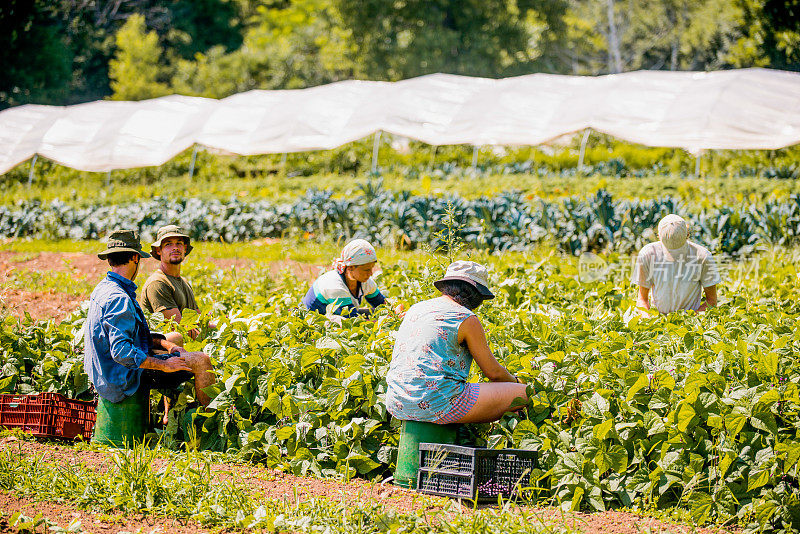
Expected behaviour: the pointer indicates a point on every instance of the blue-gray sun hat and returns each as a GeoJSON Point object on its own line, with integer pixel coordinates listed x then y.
{"type": "Point", "coordinates": [471, 272]}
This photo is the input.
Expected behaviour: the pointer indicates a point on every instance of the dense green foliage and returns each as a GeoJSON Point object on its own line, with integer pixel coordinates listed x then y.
{"type": "Point", "coordinates": [57, 52]}
{"type": "Point", "coordinates": [626, 170]}
{"type": "Point", "coordinates": [64, 51]}
{"type": "Point", "coordinates": [474, 37]}
{"type": "Point", "coordinates": [405, 221]}
{"type": "Point", "coordinates": [42, 356]}
{"type": "Point", "coordinates": [691, 411]}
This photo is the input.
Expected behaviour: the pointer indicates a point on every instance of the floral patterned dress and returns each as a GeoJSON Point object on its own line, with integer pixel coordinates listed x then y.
{"type": "Point", "coordinates": [429, 368]}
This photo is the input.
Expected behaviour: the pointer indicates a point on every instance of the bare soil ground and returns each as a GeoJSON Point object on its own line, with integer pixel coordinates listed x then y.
{"type": "Point", "coordinates": [50, 304]}
{"type": "Point", "coordinates": [63, 515]}
{"type": "Point", "coordinates": [275, 485]}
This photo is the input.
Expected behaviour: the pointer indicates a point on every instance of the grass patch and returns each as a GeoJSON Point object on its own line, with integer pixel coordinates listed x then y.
{"type": "Point", "coordinates": [186, 489]}
{"type": "Point", "coordinates": [714, 191]}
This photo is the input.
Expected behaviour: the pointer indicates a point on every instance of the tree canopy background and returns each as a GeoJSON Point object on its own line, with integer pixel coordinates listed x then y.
{"type": "Point", "coordinates": [70, 51]}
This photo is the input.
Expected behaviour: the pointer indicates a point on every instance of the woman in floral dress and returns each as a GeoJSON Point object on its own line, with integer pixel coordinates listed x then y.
{"type": "Point", "coordinates": [435, 347]}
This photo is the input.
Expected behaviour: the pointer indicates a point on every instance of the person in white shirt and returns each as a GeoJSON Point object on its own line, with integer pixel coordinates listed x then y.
{"type": "Point", "coordinates": [676, 271]}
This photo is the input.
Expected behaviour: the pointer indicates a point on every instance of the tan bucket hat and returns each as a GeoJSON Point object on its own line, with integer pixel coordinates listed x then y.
{"type": "Point", "coordinates": [471, 272]}
{"type": "Point", "coordinates": [123, 241]}
{"type": "Point", "coordinates": [170, 230]}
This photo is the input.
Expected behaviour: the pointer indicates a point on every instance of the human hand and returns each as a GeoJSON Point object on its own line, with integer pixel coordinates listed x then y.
{"type": "Point", "coordinates": [177, 350]}
{"type": "Point", "coordinates": [175, 364]}
{"type": "Point", "coordinates": [400, 310]}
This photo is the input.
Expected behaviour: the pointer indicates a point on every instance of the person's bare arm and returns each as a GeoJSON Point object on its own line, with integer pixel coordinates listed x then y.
{"type": "Point", "coordinates": [643, 301]}
{"type": "Point", "coordinates": [471, 332]}
{"type": "Point", "coordinates": [170, 365]}
{"type": "Point", "coordinates": [711, 298]}
{"type": "Point", "coordinates": [167, 346]}
{"type": "Point", "coordinates": [172, 313]}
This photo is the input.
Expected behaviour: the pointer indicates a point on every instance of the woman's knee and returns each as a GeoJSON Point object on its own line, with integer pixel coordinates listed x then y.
{"type": "Point", "coordinates": [518, 390]}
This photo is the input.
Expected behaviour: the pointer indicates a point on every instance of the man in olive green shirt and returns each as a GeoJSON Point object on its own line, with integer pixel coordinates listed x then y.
{"type": "Point", "coordinates": [165, 291]}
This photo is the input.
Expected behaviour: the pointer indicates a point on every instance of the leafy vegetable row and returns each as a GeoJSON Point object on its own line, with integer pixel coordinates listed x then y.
{"type": "Point", "coordinates": [403, 220]}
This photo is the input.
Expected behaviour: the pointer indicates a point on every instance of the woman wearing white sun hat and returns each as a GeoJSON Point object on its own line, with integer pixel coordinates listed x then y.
{"type": "Point", "coordinates": [675, 270]}
{"type": "Point", "coordinates": [433, 353]}
{"type": "Point", "coordinates": [347, 283]}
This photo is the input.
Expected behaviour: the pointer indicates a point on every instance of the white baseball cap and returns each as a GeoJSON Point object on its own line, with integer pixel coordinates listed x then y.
{"type": "Point", "coordinates": [674, 234]}
{"type": "Point", "coordinates": [673, 231]}
{"type": "Point", "coordinates": [471, 272]}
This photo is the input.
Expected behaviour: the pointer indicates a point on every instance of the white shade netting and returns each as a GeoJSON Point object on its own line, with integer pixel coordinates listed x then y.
{"type": "Point", "coordinates": [736, 109]}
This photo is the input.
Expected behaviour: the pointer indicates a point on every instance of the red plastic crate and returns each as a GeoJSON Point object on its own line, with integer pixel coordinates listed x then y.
{"type": "Point", "coordinates": [48, 415]}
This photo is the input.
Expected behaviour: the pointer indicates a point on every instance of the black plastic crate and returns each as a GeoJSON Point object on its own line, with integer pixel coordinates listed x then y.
{"type": "Point", "coordinates": [474, 474]}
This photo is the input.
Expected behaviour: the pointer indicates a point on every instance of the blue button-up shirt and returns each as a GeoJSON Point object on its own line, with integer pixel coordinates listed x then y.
{"type": "Point", "coordinates": [117, 339]}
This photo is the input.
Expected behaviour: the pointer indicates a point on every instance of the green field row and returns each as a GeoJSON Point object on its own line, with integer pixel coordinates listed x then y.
{"type": "Point", "coordinates": [402, 220]}
{"type": "Point", "coordinates": [695, 411]}
{"type": "Point", "coordinates": [625, 170]}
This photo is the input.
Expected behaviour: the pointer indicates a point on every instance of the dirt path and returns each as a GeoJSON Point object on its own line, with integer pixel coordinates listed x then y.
{"type": "Point", "coordinates": [63, 515]}
{"type": "Point", "coordinates": [43, 303]}
{"type": "Point", "coordinates": [275, 485]}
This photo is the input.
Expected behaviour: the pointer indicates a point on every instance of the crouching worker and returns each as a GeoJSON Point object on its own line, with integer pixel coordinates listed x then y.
{"type": "Point", "coordinates": [676, 271]}
{"type": "Point", "coordinates": [435, 347]}
{"type": "Point", "coordinates": [348, 283]}
{"type": "Point", "coordinates": [119, 356]}
{"type": "Point", "coordinates": [166, 291]}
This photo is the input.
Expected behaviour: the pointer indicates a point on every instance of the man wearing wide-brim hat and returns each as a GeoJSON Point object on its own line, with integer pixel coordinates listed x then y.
{"type": "Point", "coordinates": [166, 291]}
{"type": "Point", "coordinates": [676, 271]}
{"type": "Point", "coordinates": [119, 347]}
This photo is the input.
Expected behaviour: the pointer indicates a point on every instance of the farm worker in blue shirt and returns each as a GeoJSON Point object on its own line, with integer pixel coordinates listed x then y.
{"type": "Point", "coordinates": [348, 282]}
{"type": "Point", "coordinates": [119, 357]}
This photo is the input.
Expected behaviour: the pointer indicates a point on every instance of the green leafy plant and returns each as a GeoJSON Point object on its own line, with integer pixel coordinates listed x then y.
{"type": "Point", "coordinates": [444, 224]}
{"type": "Point", "coordinates": [694, 412]}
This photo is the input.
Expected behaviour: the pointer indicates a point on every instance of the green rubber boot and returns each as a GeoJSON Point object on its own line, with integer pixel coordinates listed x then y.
{"type": "Point", "coordinates": [121, 424]}
{"type": "Point", "coordinates": [412, 433]}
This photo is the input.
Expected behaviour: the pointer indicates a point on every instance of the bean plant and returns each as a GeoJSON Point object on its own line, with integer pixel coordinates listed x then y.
{"type": "Point", "coordinates": [697, 412]}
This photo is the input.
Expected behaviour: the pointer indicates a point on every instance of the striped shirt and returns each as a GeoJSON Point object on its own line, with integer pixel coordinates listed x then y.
{"type": "Point", "coordinates": [331, 288]}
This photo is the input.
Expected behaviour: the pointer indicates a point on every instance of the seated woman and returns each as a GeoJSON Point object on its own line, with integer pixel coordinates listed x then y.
{"type": "Point", "coordinates": [348, 282]}
{"type": "Point", "coordinates": [432, 356]}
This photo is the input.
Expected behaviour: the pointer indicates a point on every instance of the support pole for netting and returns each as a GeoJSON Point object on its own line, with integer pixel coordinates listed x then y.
{"type": "Point", "coordinates": [475, 158]}
{"type": "Point", "coordinates": [282, 165]}
{"type": "Point", "coordinates": [191, 165]}
{"type": "Point", "coordinates": [108, 179]}
{"type": "Point", "coordinates": [697, 164]}
{"type": "Point", "coordinates": [433, 155]}
{"type": "Point", "coordinates": [375, 146]}
{"type": "Point", "coordinates": [30, 173]}
{"type": "Point", "coordinates": [583, 148]}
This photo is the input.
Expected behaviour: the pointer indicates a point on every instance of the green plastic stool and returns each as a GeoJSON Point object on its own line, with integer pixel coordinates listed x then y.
{"type": "Point", "coordinates": [121, 424]}
{"type": "Point", "coordinates": [412, 433]}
